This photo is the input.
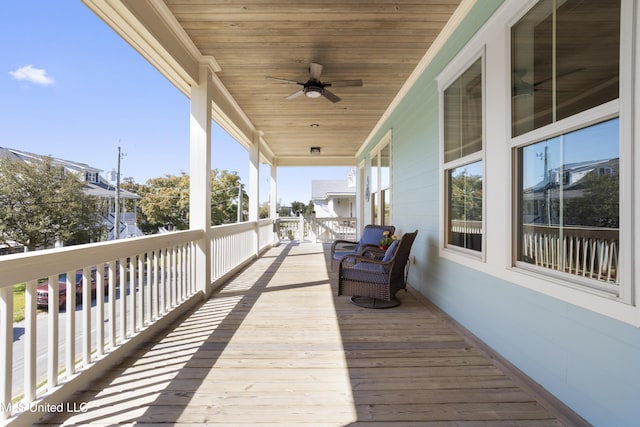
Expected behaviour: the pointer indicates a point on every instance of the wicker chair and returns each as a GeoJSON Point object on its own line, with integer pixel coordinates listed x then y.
{"type": "Point", "coordinates": [371, 235]}
{"type": "Point", "coordinates": [374, 283]}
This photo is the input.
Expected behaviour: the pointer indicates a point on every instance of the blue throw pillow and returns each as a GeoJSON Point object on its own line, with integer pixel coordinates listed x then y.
{"type": "Point", "coordinates": [391, 251]}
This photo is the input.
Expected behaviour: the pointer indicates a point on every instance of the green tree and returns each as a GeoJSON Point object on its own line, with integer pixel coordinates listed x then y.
{"type": "Point", "coordinates": [310, 209]}
{"type": "Point", "coordinates": [164, 201]}
{"type": "Point", "coordinates": [298, 207]}
{"type": "Point", "coordinates": [41, 204]}
{"type": "Point", "coordinates": [598, 206]}
{"type": "Point", "coordinates": [225, 187]}
{"type": "Point", "coordinates": [466, 197]}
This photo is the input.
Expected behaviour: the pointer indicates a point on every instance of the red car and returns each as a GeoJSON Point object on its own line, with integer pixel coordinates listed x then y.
{"type": "Point", "coordinates": [42, 295]}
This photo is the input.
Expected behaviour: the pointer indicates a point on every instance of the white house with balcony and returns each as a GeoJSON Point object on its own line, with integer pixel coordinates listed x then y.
{"type": "Point", "coordinates": [334, 197]}
{"type": "Point", "coordinates": [94, 185]}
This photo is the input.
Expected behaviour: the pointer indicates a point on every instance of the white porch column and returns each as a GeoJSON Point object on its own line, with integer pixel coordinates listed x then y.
{"type": "Point", "coordinates": [273, 200]}
{"type": "Point", "coordinates": [254, 186]}
{"type": "Point", "coordinates": [200, 175]}
{"type": "Point", "coordinates": [273, 192]}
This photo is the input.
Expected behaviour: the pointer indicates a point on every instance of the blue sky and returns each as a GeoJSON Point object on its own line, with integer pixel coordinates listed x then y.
{"type": "Point", "coordinates": [71, 88]}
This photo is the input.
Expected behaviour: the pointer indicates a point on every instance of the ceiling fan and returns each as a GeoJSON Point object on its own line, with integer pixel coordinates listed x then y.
{"type": "Point", "coordinates": [521, 87]}
{"type": "Point", "coordinates": [314, 88]}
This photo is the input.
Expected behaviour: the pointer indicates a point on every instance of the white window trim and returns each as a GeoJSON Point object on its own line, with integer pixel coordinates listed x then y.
{"type": "Point", "coordinates": [498, 179]}
{"type": "Point", "coordinates": [451, 73]}
{"type": "Point", "coordinates": [384, 141]}
{"type": "Point", "coordinates": [583, 120]}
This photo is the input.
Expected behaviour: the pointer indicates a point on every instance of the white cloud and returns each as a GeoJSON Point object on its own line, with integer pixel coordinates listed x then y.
{"type": "Point", "coordinates": [33, 75]}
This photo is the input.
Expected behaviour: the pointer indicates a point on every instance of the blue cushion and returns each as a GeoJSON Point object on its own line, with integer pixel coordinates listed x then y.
{"type": "Point", "coordinates": [339, 255]}
{"type": "Point", "coordinates": [391, 251]}
{"type": "Point", "coordinates": [371, 236]}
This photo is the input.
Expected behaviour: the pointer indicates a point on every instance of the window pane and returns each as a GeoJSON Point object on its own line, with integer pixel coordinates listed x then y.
{"type": "Point", "coordinates": [385, 164]}
{"type": "Point", "coordinates": [386, 207]}
{"type": "Point", "coordinates": [463, 114]}
{"type": "Point", "coordinates": [374, 174]}
{"type": "Point", "coordinates": [465, 206]}
{"type": "Point", "coordinates": [569, 202]}
{"type": "Point", "coordinates": [563, 61]}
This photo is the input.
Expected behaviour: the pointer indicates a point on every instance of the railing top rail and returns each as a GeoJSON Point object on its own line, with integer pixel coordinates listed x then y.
{"type": "Point", "coordinates": [601, 232]}
{"type": "Point", "coordinates": [229, 229]}
{"type": "Point", "coordinates": [18, 268]}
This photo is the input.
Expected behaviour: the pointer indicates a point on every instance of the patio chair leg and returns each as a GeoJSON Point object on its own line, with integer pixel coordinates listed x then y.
{"type": "Point", "coordinates": [368, 302]}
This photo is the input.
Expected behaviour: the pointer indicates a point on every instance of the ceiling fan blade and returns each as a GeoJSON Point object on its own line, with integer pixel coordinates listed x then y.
{"type": "Point", "coordinates": [331, 96]}
{"type": "Point", "coordinates": [284, 80]}
{"type": "Point", "coordinates": [294, 94]}
{"type": "Point", "coordinates": [345, 83]}
{"type": "Point", "coordinates": [314, 71]}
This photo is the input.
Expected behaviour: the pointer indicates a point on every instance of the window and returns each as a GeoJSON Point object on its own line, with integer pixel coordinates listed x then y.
{"type": "Point", "coordinates": [91, 177]}
{"type": "Point", "coordinates": [380, 185]}
{"type": "Point", "coordinates": [463, 160]}
{"type": "Point", "coordinates": [564, 60]}
{"type": "Point", "coordinates": [564, 88]}
{"type": "Point", "coordinates": [569, 204]}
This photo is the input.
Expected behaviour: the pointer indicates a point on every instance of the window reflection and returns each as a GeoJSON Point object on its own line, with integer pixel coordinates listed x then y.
{"type": "Point", "coordinates": [465, 206]}
{"type": "Point", "coordinates": [463, 114]}
{"type": "Point", "coordinates": [563, 61]}
{"type": "Point", "coordinates": [569, 202]}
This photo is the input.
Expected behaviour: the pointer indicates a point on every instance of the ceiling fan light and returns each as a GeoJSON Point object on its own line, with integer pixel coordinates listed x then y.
{"type": "Point", "coordinates": [313, 92]}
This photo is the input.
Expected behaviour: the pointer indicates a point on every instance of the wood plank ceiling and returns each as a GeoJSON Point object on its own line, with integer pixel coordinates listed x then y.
{"type": "Point", "coordinates": [378, 41]}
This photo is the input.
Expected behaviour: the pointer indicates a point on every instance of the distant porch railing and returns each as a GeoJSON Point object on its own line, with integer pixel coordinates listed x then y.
{"type": "Point", "coordinates": [129, 287]}
{"type": "Point", "coordinates": [583, 251]}
{"type": "Point", "coordinates": [317, 229]}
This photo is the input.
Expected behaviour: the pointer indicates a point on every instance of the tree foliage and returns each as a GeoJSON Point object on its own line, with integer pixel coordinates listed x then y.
{"type": "Point", "coordinates": [599, 206]}
{"type": "Point", "coordinates": [164, 201]}
{"type": "Point", "coordinates": [466, 197]}
{"type": "Point", "coordinates": [40, 205]}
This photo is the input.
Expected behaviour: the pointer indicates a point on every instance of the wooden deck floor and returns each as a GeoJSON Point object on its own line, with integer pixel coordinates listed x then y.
{"type": "Point", "coordinates": [276, 346]}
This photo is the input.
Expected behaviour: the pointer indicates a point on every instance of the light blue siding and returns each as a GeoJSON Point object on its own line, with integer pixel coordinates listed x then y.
{"type": "Point", "coordinates": [589, 361]}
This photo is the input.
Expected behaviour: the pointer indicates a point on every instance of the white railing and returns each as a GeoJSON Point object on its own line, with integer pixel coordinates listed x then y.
{"type": "Point", "coordinates": [329, 229]}
{"type": "Point", "coordinates": [466, 227]}
{"type": "Point", "coordinates": [582, 251]}
{"type": "Point", "coordinates": [316, 229]}
{"type": "Point", "coordinates": [231, 245]}
{"type": "Point", "coordinates": [137, 283]}
{"type": "Point", "coordinates": [266, 233]}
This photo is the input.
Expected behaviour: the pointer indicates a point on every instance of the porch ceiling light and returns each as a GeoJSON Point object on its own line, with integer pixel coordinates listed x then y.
{"type": "Point", "coordinates": [312, 91]}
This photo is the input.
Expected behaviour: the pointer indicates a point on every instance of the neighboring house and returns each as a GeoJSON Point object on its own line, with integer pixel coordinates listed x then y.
{"type": "Point", "coordinates": [334, 198]}
{"type": "Point", "coordinates": [94, 185]}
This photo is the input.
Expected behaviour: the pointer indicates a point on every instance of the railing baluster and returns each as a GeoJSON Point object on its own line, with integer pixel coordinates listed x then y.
{"type": "Point", "coordinates": [70, 311]}
{"type": "Point", "coordinates": [86, 316]}
{"type": "Point", "coordinates": [157, 310]}
{"type": "Point", "coordinates": [124, 265]}
{"type": "Point", "coordinates": [30, 345]}
{"type": "Point", "coordinates": [100, 291]}
{"type": "Point", "coordinates": [6, 347]}
{"type": "Point", "coordinates": [133, 295]}
{"type": "Point", "coordinates": [52, 332]}
{"type": "Point", "coordinates": [142, 292]}
{"type": "Point", "coordinates": [112, 304]}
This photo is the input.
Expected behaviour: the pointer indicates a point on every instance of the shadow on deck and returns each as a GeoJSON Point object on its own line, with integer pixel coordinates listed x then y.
{"type": "Point", "coordinates": [276, 346]}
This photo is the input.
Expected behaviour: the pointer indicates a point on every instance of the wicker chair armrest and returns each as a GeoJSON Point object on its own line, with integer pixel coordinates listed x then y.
{"type": "Point", "coordinates": [343, 242]}
{"type": "Point", "coordinates": [371, 251]}
{"type": "Point", "coordinates": [355, 259]}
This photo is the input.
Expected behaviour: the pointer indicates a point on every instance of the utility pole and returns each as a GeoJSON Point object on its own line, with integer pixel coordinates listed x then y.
{"type": "Point", "coordinates": [116, 220]}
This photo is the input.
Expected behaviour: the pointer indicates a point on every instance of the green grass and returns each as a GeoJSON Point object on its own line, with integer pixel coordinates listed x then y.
{"type": "Point", "coordinates": [18, 302]}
